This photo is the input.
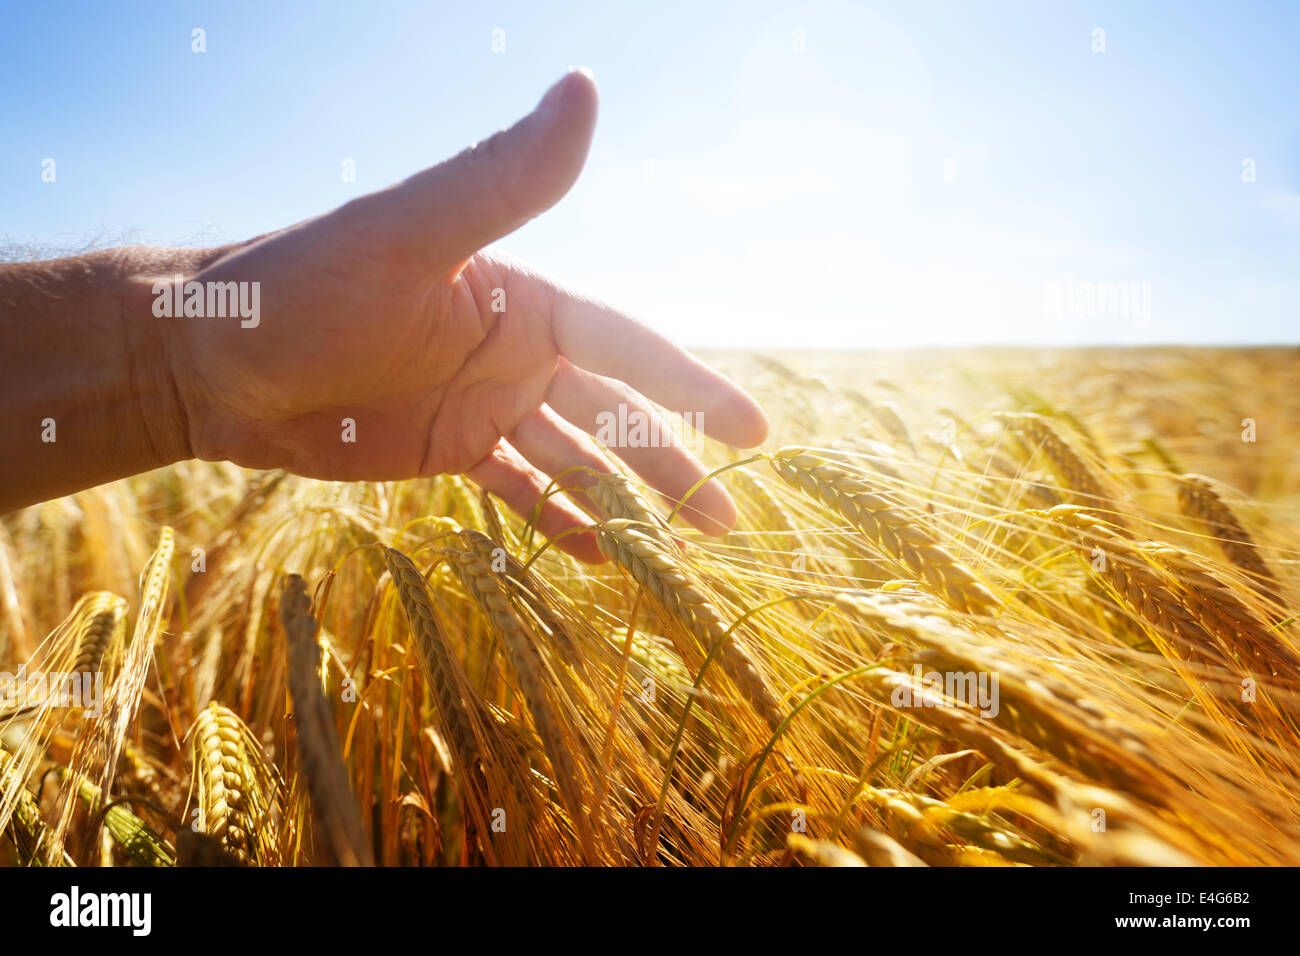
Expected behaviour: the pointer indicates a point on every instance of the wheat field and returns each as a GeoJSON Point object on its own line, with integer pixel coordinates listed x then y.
{"type": "Point", "coordinates": [981, 608]}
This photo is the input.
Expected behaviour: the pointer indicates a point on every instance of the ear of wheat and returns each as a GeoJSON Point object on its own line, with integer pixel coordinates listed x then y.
{"type": "Point", "coordinates": [100, 742]}
{"type": "Point", "coordinates": [618, 497]}
{"type": "Point", "coordinates": [1031, 705]}
{"type": "Point", "coordinates": [1192, 616]}
{"type": "Point", "coordinates": [1075, 473]}
{"type": "Point", "coordinates": [84, 644]}
{"type": "Point", "coordinates": [880, 849]}
{"type": "Point", "coordinates": [79, 643]}
{"type": "Point", "coordinates": [235, 787]}
{"type": "Point", "coordinates": [1238, 627]}
{"type": "Point", "coordinates": [462, 716]}
{"type": "Point", "coordinates": [895, 529]}
{"type": "Point", "coordinates": [1143, 588]}
{"type": "Point", "coordinates": [102, 632]}
{"type": "Point", "coordinates": [25, 826]}
{"type": "Point", "coordinates": [934, 826]}
{"type": "Point", "coordinates": [1167, 846]}
{"type": "Point", "coordinates": [529, 591]}
{"type": "Point", "coordinates": [646, 560]}
{"type": "Point", "coordinates": [823, 852]}
{"type": "Point", "coordinates": [530, 672]}
{"type": "Point", "coordinates": [1198, 499]}
{"type": "Point", "coordinates": [448, 680]}
{"type": "Point", "coordinates": [332, 802]}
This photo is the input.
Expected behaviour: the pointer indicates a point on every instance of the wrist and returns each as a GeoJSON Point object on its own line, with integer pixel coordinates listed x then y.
{"type": "Point", "coordinates": [156, 344]}
{"type": "Point", "coordinates": [149, 347]}
{"type": "Point", "coordinates": [91, 390]}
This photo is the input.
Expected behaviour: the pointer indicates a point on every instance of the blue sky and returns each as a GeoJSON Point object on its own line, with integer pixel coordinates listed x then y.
{"type": "Point", "coordinates": [916, 174]}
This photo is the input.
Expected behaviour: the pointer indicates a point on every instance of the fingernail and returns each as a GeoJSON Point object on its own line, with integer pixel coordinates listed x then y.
{"type": "Point", "coordinates": [550, 103]}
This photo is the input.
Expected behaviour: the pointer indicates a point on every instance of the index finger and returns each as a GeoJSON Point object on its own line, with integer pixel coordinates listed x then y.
{"type": "Point", "coordinates": [603, 340]}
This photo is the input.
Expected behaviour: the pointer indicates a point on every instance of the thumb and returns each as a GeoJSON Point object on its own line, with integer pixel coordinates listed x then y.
{"type": "Point", "coordinates": [445, 214]}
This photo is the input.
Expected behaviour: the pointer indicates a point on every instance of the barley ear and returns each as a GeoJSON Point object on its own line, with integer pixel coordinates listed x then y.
{"type": "Point", "coordinates": [333, 806]}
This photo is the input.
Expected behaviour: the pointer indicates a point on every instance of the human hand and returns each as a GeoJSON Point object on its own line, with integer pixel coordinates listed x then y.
{"type": "Point", "coordinates": [385, 312]}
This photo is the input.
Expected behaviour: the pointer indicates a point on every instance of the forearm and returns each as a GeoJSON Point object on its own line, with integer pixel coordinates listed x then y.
{"type": "Point", "coordinates": [88, 390]}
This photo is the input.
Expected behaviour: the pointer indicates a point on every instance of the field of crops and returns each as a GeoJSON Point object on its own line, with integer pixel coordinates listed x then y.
{"type": "Point", "coordinates": [985, 608]}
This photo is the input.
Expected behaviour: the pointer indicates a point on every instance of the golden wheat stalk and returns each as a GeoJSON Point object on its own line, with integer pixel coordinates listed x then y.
{"type": "Point", "coordinates": [139, 841]}
{"type": "Point", "coordinates": [894, 528]}
{"type": "Point", "coordinates": [26, 826]}
{"type": "Point", "coordinates": [332, 802]}
{"type": "Point", "coordinates": [618, 497]}
{"type": "Point", "coordinates": [235, 786]}
{"type": "Point", "coordinates": [935, 824]}
{"type": "Point", "coordinates": [1147, 591]}
{"type": "Point", "coordinates": [1075, 473]}
{"type": "Point", "coordinates": [880, 849]}
{"type": "Point", "coordinates": [530, 591]}
{"type": "Point", "coordinates": [101, 742]}
{"type": "Point", "coordinates": [103, 633]}
{"type": "Point", "coordinates": [822, 852]}
{"type": "Point", "coordinates": [445, 675]}
{"type": "Point", "coordinates": [530, 670]}
{"type": "Point", "coordinates": [89, 626]}
{"type": "Point", "coordinates": [651, 566]}
{"type": "Point", "coordinates": [1222, 612]}
{"type": "Point", "coordinates": [1165, 845]}
{"type": "Point", "coordinates": [83, 644]}
{"type": "Point", "coordinates": [1030, 705]}
{"type": "Point", "coordinates": [484, 751]}
{"type": "Point", "coordinates": [1200, 500]}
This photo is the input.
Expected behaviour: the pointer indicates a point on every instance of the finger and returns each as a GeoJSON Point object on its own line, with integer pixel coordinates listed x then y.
{"type": "Point", "coordinates": [558, 449]}
{"type": "Point", "coordinates": [504, 473]}
{"type": "Point", "coordinates": [603, 340]}
{"type": "Point", "coordinates": [445, 214]}
{"type": "Point", "coordinates": [593, 403]}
